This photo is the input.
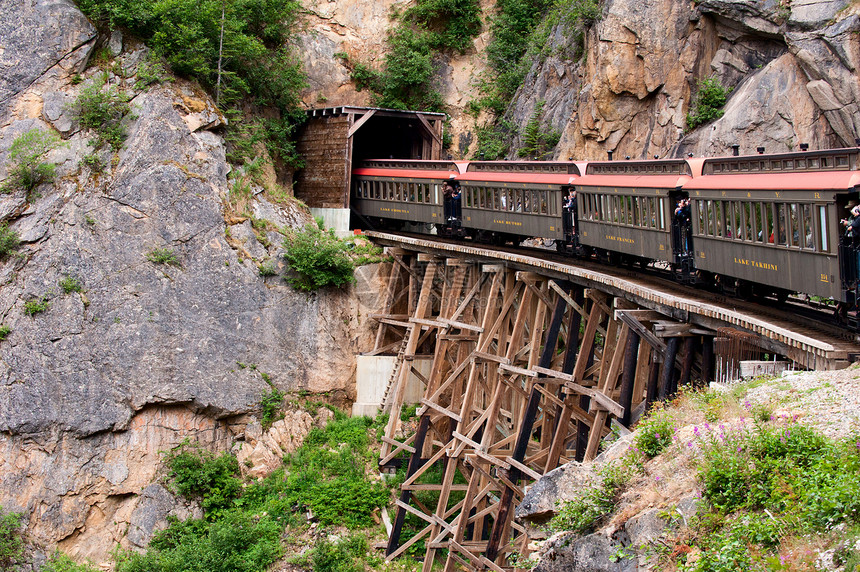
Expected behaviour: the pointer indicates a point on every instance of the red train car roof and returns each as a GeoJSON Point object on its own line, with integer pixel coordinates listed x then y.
{"type": "Point", "coordinates": [634, 181]}
{"type": "Point", "coordinates": [808, 181]}
{"type": "Point", "coordinates": [517, 177]}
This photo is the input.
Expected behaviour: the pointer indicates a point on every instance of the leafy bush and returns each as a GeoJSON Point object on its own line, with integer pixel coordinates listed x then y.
{"type": "Point", "coordinates": [537, 142]}
{"type": "Point", "coordinates": [70, 284]}
{"type": "Point", "coordinates": [268, 269]}
{"type": "Point", "coordinates": [238, 542]}
{"type": "Point", "coordinates": [36, 306]}
{"type": "Point", "coordinates": [405, 81]}
{"type": "Point", "coordinates": [162, 256]}
{"type": "Point", "coordinates": [319, 258]}
{"type": "Point", "coordinates": [26, 166]}
{"type": "Point", "coordinates": [582, 514]}
{"type": "Point", "coordinates": [800, 483]}
{"type": "Point", "coordinates": [9, 240]}
{"type": "Point", "coordinates": [655, 434]}
{"type": "Point", "coordinates": [102, 108]}
{"type": "Point", "coordinates": [270, 404]}
{"type": "Point", "coordinates": [451, 23]}
{"type": "Point", "coordinates": [494, 140]}
{"type": "Point", "coordinates": [346, 555]}
{"type": "Point", "coordinates": [257, 63]}
{"type": "Point", "coordinates": [5, 330]}
{"type": "Point", "coordinates": [708, 104]}
{"type": "Point", "coordinates": [11, 544]}
{"type": "Point", "coordinates": [59, 562]}
{"type": "Point", "coordinates": [198, 474]}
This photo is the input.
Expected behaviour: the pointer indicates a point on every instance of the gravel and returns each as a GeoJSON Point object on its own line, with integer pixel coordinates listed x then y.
{"type": "Point", "coordinates": [827, 401]}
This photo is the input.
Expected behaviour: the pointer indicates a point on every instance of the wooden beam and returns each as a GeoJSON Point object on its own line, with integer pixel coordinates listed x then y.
{"type": "Point", "coordinates": [357, 125]}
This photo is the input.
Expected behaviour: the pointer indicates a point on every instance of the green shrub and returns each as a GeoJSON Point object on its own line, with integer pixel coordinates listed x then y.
{"type": "Point", "coordinates": [655, 434]}
{"type": "Point", "coordinates": [767, 482]}
{"type": "Point", "coordinates": [11, 544]}
{"type": "Point", "coordinates": [198, 474]}
{"type": "Point", "coordinates": [102, 108]}
{"type": "Point", "coordinates": [268, 269]}
{"type": "Point", "coordinates": [452, 23]}
{"type": "Point", "coordinates": [59, 562]}
{"type": "Point", "coordinates": [26, 167]}
{"type": "Point", "coordinates": [162, 256]}
{"type": "Point", "coordinates": [150, 72]}
{"type": "Point", "coordinates": [36, 306]}
{"type": "Point", "coordinates": [93, 162]}
{"type": "Point", "coordinates": [5, 330]}
{"type": "Point", "coordinates": [346, 555]}
{"type": "Point", "coordinates": [538, 142]}
{"type": "Point", "coordinates": [270, 404]}
{"type": "Point", "coordinates": [708, 103]}
{"type": "Point", "coordinates": [238, 542]}
{"type": "Point", "coordinates": [318, 258]}
{"type": "Point", "coordinates": [257, 64]}
{"type": "Point", "coordinates": [70, 284]}
{"type": "Point", "coordinates": [597, 502]}
{"type": "Point", "coordinates": [9, 241]}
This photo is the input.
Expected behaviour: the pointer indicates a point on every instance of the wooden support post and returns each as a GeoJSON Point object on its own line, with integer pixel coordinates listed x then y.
{"type": "Point", "coordinates": [707, 359]}
{"type": "Point", "coordinates": [414, 463]}
{"type": "Point", "coordinates": [651, 392]}
{"type": "Point", "coordinates": [689, 359]}
{"type": "Point", "coordinates": [668, 377]}
{"type": "Point", "coordinates": [628, 375]}
{"type": "Point", "coordinates": [526, 426]}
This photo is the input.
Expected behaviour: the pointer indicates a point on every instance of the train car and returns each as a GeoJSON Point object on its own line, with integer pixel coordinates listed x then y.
{"type": "Point", "coordinates": [507, 201]}
{"type": "Point", "coordinates": [626, 211]}
{"type": "Point", "coordinates": [391, 193]}
{"type": "Point", "coordinates": [769, 224]}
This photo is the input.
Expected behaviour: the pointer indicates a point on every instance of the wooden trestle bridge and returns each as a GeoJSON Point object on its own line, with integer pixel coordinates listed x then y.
{"type": "Point", "coordinates": [531, 359]}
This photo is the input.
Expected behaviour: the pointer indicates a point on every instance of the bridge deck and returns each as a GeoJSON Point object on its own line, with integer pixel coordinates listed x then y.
{"type": "Point", "coordinates": [781, 330]}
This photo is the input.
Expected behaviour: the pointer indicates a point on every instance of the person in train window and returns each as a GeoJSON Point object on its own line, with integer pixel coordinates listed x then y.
{"type": "Point", "coordinates": [456, 204]}
{"type": "Point", "coordinates": [447, 193]}
{"type": "Point", "coordinates": [570, 207]}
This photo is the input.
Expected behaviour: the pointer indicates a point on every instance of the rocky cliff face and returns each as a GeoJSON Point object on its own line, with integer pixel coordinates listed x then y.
{"type": "Point", "coordinates": [146, 355]}
{"type": "Point", "coordinates": [791, 67]}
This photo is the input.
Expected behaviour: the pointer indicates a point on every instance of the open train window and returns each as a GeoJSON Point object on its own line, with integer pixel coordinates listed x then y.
{"type": "Point", "coordinates": [808, 231]}
{"type": "Point", "coordinates": [822, 228]}
{"type": "Point", "coordinates": [661, 210]}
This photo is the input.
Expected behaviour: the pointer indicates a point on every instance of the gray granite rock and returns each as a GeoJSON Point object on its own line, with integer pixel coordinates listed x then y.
{"type": "Point", "coordinates": [36, 34]}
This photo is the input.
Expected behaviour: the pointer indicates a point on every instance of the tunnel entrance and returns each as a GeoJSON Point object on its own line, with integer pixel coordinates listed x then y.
{"type": "Point", "coordinates": [335, 138]}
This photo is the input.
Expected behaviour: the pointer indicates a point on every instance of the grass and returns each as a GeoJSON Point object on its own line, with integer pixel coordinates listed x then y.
{"type": "Point", "coordinates": [164, 256]}
{"type": "Point", "coordinates": [774, 493]}
{"type": "Point", "coordinates": [70, 284]}
{"type": "Point", "coordinates": [36, 306]}
{"type": "Point", "coordinates": [248, 525]}
{"type": "Point", "coordinates": [9, 241]}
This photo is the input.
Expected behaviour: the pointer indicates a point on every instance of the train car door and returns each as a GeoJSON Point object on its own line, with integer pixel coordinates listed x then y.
{"type": "Point", "coordinates": [570, 217]}
{"type": "Point", "coordinates": [682, 234]}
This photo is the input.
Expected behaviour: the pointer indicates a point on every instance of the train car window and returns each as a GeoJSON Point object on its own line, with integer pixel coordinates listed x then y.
{"type": "Point", "coordinates": [543, 203]}
{"type": "Point", "coordinates": [661, 210]}
{"type": "Point", "coordinates": [782, 232]}
{"type": "Point", "coordinates": [740, 224]}
{"type": "Point", "coordinates": [721, 221]}
{"type": "Point", "coordinates": [806, 232]}
{"type": "Point", "coordinates": [421, 192]}
{"type": "Point", "coordinates": [637, 213]}
{"type": "Point", "coordinates": [709, 218]}
{"type": "Point", "coordinates": [747, 224]}
{"type": "Point", "coordinates": [822, 228]}
{"type": "Point", "coordinates": [652, 212]}
{"type": "Point", "coordinates": [518, 200]}
{"type": "Point", "coordinates": [770, 227]}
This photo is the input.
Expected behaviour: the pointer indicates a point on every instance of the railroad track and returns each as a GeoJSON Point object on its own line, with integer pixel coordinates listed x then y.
{"type": "Point", "coordinates": [791, 329]}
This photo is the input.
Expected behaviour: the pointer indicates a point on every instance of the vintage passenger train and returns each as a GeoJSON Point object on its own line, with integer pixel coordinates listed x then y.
{"type": "Point", "coordinates": [757, 225]}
